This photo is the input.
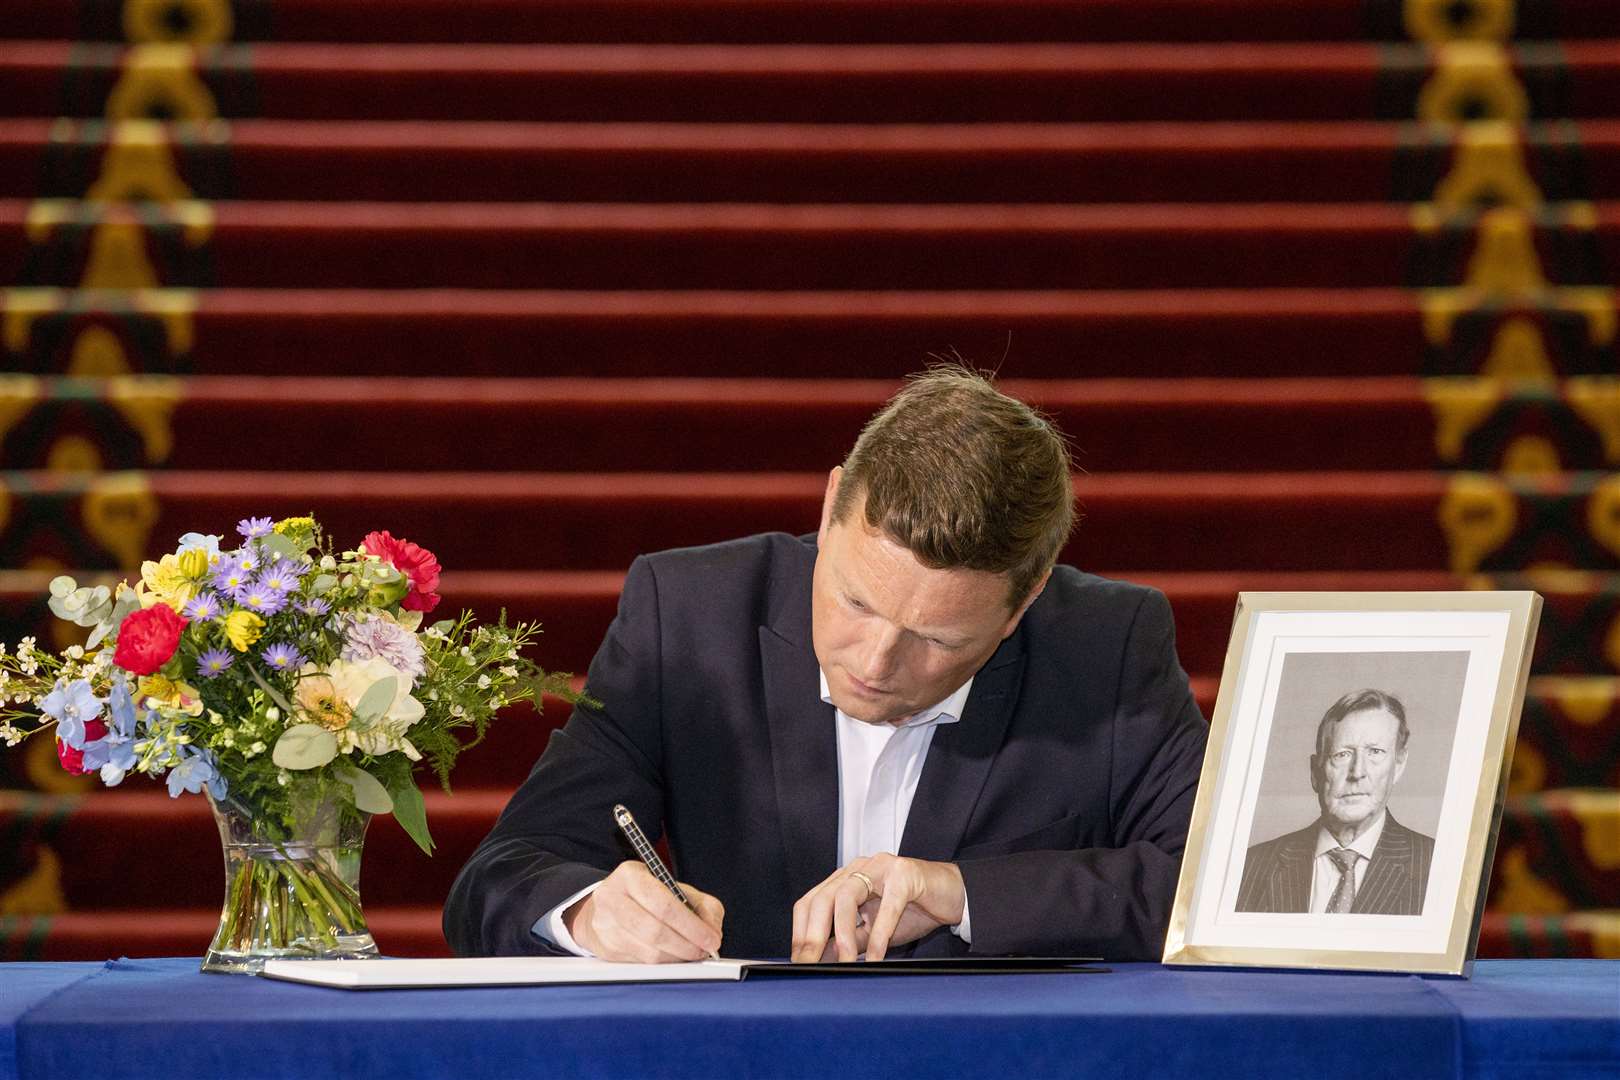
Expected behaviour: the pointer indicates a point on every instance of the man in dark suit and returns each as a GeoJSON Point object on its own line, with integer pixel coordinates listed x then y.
{"type": "Point", "coordinates": [909, 732]}
{"type": "Point", "coordinates": [1356, 858]}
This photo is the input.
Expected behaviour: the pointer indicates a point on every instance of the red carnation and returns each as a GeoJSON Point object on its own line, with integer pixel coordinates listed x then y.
{"type": "Point", "coordinates": [148, 638]}
{"type": "Point", "coordinates": [73, 760]}
{"type": "Point", "coordinates": [416, 563]}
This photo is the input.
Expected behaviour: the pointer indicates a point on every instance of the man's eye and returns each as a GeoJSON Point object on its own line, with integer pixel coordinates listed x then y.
{"type": "Point", "coordinates": [1375, 751]}
{"type": "Point", "coordinates": [1341, 755]}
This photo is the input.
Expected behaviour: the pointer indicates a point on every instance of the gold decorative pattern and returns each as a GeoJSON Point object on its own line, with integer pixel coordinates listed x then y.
{"type": "Point", "coordinates": [1519, 891]}
{"type": "Point", "coordinates": [119, 513]}
{"type": "Point", "coordinates": [1519, 354]}
{"type": "Point", "coordinates": [178, 310]}
{"type": "Point", "coordinates": [1596, 400]}
{"type": "Point", "coordinates": [148, 403]}
{"type": "Point", "coordinates": [1434, 21]}
{"type": "Point", "coordinates": [22, 307]}
{"type": "Point", "coordinates": [1460, 406]}
{"type": "Point", "coordinates": [1599, 815]}
{"type": "Point", "coordinates": [207, 22]}
{"type": "Point", "coordinates": [44, 770]}
{"type": "Point", "coordinates": [1477, 513]}
{"type": "Point", "coordinates": [1505, 260]}
{"type": "Point", "coordinates": [97, 353]}
{"type": "Point", "coordinates": [1604, 928]}
{"type": "Point", "coordinates": [1472, 77]}
{"type": "Point", "coordinates": [160, 82]}
{"type": "Point", "coordinates": [1603, 513]}
{"type": "Point", "coordinates": [1488, 168]}
{"type": "Point", "coordinates": [18, 396]}
{"type": "Point", "coordinates": [1531, 455]}
{"type": "Point", "coordinates": [40, 891]}
{"type": "Point", "coordinates": [1585, 699]}
{"type": "Point", "coordinates": [73, 453]}
{"type": "Point", "coordinates": [1529, 772]}
{"type": "Point", "coordinates": [1442, 307]}
{"type": "Point", "coordinates": [118, 258]}
{"type": "Point", "coordinates": [138, 166]}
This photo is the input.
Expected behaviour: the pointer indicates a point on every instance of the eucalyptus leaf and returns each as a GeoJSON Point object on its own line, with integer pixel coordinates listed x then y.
{"type": "Point", "coordinates": [62, 585]}
{"type": "Point", "coordinates": [304, 746]}
{"type": "Point", "coordinates": [281, 547]}
{"type": "Point", "coordinates": [444, 626]}
{"type": "Point", "coordinates": [375, 701]}
{"type": "Point", "coordinates": [411, 812]}
{"type": "Point", "coordinates": [369, 794]}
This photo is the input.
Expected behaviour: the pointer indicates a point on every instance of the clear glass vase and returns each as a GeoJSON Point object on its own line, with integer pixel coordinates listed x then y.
{"type": "Point", "coordinates": [292, 891]}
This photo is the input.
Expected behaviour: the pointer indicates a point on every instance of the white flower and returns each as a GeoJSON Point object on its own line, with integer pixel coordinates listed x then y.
{"type": "Point", "coordinates": [386, 732]}
{"type": "Point", "coordinates": [381, 638]}
{"type": "Point", "coordinates": [508, 670]}
{"type": "Point", "coordinates": [483, 682]}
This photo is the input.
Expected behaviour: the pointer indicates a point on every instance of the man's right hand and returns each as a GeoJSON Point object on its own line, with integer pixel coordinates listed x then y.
{"type": "Point", "coordinates": [631, 917]}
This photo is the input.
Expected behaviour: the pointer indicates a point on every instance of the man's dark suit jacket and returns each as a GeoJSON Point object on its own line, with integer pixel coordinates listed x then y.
{"type": "Point", "coordinates": [1277, 873]}
{"type": "Point", "coordinates": [1063, 792]}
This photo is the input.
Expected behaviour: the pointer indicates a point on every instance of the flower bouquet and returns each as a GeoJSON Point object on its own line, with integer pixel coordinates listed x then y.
{"type": "Point", "coordinates": [295, 686]}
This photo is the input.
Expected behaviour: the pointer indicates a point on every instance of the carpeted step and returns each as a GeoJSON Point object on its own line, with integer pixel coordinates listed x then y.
{"type": "Point", "coordinates": [787, 83]}
{"type": "Point", "coordinates": [1168, 333]}
{"type": "Point", "coordinates": [1206, 521]}
{"type": "Point", "coordinates": [619, 425]}
{"type": "Point", "coordinates": [826, 21]}
{"type": "Point", "coordinates": [1556, 851]}
{"type": "Point", "coordinates": [799, 247]}
{"type": "Point", "coordinates": [972, 163]}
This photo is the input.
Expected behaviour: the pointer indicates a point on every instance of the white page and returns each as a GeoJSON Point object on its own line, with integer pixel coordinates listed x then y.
{"type": "Point", "coordinates": [382, 974]}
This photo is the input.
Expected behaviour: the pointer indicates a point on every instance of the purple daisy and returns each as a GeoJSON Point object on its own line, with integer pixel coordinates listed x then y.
{"type": "Point", "coordinates": [205, 608]}
{"type": "Point", "coordinates": [316, 607]}
{"type": "Point", "coordinates": [255, 527]}
{"type": "Point", "coordinates": [283, 657]}
{"type": "Point", "coordinates": [260, 600]}
{"type": "Point", "coordinates": [213, 662]}
{"type": "Point", "coordinates": [231, 575]}
{"type": "Point", "coordinates": [281, 575]}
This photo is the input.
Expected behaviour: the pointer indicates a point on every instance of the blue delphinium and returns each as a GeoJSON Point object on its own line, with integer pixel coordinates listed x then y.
{"type": "Point", "coordinates": [114, 753]}
{"type": "Point", "coordinates": [197, 769]}
{"type": "Point", "coordinates": [213, 662]}
{"type": "Point", "coordinates": [200, 541]}
{"type": "Point", "coordinates": [283, 657]}
{"type": "Point", "coordinates": [71, 706]}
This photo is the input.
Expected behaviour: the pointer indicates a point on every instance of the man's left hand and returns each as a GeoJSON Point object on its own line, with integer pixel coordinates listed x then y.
{"type": "Point", "coordinates": [907, 898]}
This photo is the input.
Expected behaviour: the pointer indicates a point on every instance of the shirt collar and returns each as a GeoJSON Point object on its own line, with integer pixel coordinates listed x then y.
{"type": "Point", "coordinates": [948, 711]}
{"type": "Point", "coordinates": [1363, 845]}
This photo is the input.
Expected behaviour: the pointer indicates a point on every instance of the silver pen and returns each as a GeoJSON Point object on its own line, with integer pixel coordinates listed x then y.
{"type": "Point", "coordinates": [644, 850]}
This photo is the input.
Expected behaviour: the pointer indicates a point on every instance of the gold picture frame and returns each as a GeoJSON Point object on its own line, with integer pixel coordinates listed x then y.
{"type": "Point", "coordinates": [1353, 706]}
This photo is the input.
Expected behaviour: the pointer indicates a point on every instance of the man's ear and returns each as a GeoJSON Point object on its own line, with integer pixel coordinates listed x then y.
{"type": "Point", "coordinates": [1400, 764]}
{"type": "Point", "coordinates": [1034, 594]}
{"type": "Point", "coordinates": [1316, 774]}
{"type": "Point", "coordinates": [827, 499]}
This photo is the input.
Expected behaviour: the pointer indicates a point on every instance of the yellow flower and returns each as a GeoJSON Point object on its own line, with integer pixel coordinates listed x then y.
{"type": "Point", "coordinates": [158, 691]}
{"type": "Point", "coordinates": [243, 628]}
{"type": "Point", "coordinates": [320, 702]}
{"type": "Point", "coordinates": [193, 564]}
{"type": "Point", "coordinates": [300, 530]}
{"type": "Point", "coordinates": [168, 580]}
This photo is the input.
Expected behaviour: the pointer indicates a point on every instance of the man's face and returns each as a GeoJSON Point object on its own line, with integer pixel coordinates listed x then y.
{"type": "Point", "coordinates": [1357, 765]}
{"type": "Point", "coordinates": [893, 635]}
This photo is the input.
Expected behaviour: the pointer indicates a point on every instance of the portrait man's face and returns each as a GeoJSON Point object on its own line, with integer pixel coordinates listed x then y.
{"type": "Point", "coordinates": [1356, 765]}
{"type": "Point", "coordinates": [892, 635]}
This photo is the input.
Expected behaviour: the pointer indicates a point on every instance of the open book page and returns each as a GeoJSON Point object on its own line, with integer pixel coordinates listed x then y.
{"type": "Point", "coordinates": [493, 971]}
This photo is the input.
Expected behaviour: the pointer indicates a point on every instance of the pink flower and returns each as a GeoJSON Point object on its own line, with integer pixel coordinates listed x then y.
{"type": "Point", "coordinates": [416, 563]}
{"type": "Point", "coordinates": [73, 760]}
{"type": "Point", "coordinates": [147, 638]}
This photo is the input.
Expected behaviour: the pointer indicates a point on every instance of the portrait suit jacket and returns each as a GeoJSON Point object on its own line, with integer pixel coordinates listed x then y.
{"type": "Point", "coordinates": [1063, 792]}
{"type": "Point", "coordinates": [1277, 873]}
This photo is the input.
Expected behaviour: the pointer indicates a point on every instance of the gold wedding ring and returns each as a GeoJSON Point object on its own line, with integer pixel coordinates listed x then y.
{"type": "Point", "coordinates": [870, 890]}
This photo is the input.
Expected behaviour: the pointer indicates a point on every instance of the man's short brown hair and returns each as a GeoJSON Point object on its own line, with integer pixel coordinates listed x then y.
{"type": "Point", "coordinates": [963, 476]}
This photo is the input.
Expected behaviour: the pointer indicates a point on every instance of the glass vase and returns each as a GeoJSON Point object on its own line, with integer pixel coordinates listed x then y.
{"type": "Point", "coordinates": [292, 885]}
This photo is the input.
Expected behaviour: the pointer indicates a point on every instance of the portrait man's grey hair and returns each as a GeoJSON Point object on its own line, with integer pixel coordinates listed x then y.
{"type": "Point", "coordinates": [1350, 790]}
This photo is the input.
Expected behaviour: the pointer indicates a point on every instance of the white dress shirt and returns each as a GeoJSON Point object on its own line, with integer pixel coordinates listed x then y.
{"type": "Point", "coordinates": [1325, 872]}
{"type": "Point", "coordinates": [878, 769]}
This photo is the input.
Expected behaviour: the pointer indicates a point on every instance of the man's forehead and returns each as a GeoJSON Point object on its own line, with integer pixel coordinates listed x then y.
{"type": "Point", "coordinates": [1364, 726]}
{"type": "Point", "coordinates": [869, 560]}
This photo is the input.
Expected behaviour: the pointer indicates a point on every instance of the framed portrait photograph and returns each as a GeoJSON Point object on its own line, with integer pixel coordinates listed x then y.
{"type": "Point", "coordinates": [1358, 757]}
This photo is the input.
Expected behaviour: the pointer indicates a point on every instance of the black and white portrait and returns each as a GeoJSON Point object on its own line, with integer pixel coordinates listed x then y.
{"type": "Point", "coordinates": [1352, 785]}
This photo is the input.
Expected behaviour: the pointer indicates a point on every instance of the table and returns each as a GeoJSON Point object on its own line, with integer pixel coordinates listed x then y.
{"type": "Point", "coordinates": [1515, 1020]}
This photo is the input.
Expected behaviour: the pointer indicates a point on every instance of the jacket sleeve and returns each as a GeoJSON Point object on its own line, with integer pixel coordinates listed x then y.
{"type": "Point", "coordinates": [557, 835]}
{"type": "Point", "coordinates": [1112, 902]}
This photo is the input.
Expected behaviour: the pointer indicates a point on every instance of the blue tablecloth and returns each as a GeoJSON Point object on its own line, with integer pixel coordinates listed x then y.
{"type": "Point", "coordinates": [1515, 1020]}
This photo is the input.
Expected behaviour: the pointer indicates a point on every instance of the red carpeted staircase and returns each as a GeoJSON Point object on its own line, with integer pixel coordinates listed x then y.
{"type": "Point", "coordinates": [1321, 289]}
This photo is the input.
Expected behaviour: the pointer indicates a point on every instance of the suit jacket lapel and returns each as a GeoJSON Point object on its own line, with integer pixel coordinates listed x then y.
{"type": "Point", "coordinates": [1291, 880]}
{"type": "Point", "coordinates": [803, 733]}
{"type": "Point", "coordinates": [1386, 872]}
{"type": "Point", "coordinates": [960, 755]}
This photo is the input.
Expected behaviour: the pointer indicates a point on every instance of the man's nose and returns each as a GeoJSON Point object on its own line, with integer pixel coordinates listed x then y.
{"type": "Point", "coordinates": [878, 655]}
{"type": "Point", "coordinates": [1357, 765]}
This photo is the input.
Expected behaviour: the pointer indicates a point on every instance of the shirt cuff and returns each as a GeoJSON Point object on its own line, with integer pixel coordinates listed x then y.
{"type": "Point", "coordinates": [551, 929]}
{"type": "Point", "coordinates": [964, 929]}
